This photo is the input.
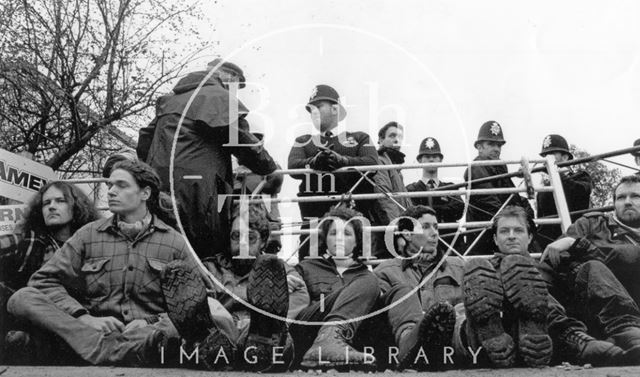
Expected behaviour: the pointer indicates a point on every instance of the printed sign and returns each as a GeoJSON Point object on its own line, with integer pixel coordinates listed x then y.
{"type": "Point", "coordinates": [11, 218]}
{"type": "Point", "coordinates": [21, 177]}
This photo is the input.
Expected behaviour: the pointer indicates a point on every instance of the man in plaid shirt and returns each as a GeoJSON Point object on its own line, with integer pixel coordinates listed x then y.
{"type": "Point", "coordinates": [102, 292]}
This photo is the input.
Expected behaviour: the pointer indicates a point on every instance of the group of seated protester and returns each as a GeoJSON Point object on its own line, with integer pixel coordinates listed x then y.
{"type": "Point", "coordinates": [125, 290]}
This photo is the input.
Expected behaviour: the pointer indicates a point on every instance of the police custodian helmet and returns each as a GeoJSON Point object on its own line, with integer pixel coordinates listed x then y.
{"type": "Point", "coordinates": [429, 147]}
{"type": "Point", "coordinates": [555, 143]}
{"type": "Point", "coordinates": [490, 131]}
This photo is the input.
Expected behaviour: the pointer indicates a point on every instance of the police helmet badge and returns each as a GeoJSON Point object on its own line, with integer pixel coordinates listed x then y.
{"type": "Point", "coordinates": [314, 93]}
{"type": "Point", "coordinates": [429, 143]}
{"type": "Point", "coordinates": [495, 129]}
{"type": "Point", "coordinates": [546, 143]}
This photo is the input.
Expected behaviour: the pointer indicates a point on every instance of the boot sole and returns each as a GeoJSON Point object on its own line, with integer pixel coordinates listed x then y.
{"type": "Point", "coordinates": [483, 296]}
{"type": "Point", "coordinates": [435, 333]}
{"type": "Point", "coordinates": [186, 299]}
{"type": "Point", "coordinates": [267, 290]}
{"type": "Point", "coordinates": [527, 292]}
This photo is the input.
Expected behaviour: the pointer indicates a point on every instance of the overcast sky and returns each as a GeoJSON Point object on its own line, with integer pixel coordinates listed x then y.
{"type": "Point", "coordinates": [440, 68]}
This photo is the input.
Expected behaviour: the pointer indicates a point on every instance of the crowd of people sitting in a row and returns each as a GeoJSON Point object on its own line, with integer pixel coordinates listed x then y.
{"type": "Point", "coordinates": [125, 290]}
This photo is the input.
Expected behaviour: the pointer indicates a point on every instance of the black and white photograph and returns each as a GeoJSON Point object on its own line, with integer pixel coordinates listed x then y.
{"type": "Point", "coordinates": [218, 187]}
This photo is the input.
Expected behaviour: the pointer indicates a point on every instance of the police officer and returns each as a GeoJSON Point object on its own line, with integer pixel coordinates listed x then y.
{"type": "Point", "coordinates": [448, 208]}
{"type": "Point", "coordinates": [484, 207]}
{"type": "Point", "coordinates": [576, 186]}
{"type": "Point", "coordinates": [327, 152]}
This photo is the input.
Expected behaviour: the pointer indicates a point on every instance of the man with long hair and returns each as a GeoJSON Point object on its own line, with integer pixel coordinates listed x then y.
{"type": "Point", "coordinates": [102, 292]}
{"type": "Point", "coordinates": [54, 213]}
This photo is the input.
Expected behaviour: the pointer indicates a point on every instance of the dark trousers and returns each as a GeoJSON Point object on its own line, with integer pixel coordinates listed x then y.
{"type": "Point", "coordinates": [354, 300]}
{"type": "Point", "coordinates": [592, 294]}
{"type": "Point", "coordinates": [380, 332]}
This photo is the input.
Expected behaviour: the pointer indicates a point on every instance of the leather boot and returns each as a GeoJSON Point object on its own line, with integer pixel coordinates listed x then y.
{"type": "Point", "coordinates": [20, 348]}
{"type": "Point", "coordinates": [483, 297]}
{"type": "Point", "coordinates": [582, 348]}
{"type": "Point", "coordinates": [217, 351]}
{"type": "Point", "coordinates": [432, 334]}
{"type": "Point", "coordinates": [186, 299]}
{"type": "Point", "coordinates": [267, 290]}
{"type": "Point", "coordinates": [527, 292]}
{"type": "Point", "coordinates": [331, 349]}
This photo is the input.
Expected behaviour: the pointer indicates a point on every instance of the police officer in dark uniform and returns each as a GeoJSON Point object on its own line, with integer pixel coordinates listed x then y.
{"type": "Point", "coordinates": [484, 207]}
{"type": "Point", "coordinates": [448, 208]}
{"type": "Point", "coordinates": [327, 152]}
{"type": "Point", "coordinates": [576, 185]}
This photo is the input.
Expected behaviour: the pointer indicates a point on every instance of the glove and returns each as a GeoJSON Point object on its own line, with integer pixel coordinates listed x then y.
{"type": "Point", "coordinates": [337, 160]}
{"type": "Point", "coordinates": [320, 161]}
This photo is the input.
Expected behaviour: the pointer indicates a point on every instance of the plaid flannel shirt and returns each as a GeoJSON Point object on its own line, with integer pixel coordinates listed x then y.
{"type": "Point", "coordinates": [21, 257]}
{"type": "Point", "coordinates": [100, 271]}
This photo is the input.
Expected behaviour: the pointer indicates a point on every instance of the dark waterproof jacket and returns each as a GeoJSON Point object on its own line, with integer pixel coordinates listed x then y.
{"type": "Point", "coordinates": [448, 208]}
{"type": "Point", "coordinates": [617, 247]}
{"type": "Point", "coordinates": [202, 162]}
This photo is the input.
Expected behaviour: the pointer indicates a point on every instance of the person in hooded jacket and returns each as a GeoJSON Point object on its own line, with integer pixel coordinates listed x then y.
{"type": "Point", "coordinates": [214, 128]}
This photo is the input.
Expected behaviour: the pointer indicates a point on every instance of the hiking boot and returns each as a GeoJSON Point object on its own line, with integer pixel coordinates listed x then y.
{"type": "Point", "coordinates": [483, 296]}
{"type": "Point", "coordinates": [582, 348]}
{"type": "Point", "coordinates": [332, 350]}
{"type": "Point", "coordinates": [432, 334]}
{"type": "Point", "coordinates": [159, 349]}
{"type": "Point", "coordinates": [20, 349]}
{"type": "Point", "coordinates": [527, 292]}
{"type": "Point", "coordinates": [186, 297]}
{"type": "Point", "coordinates": [267, 291]}
{"type": "Point", "coordinates": [217, 351]}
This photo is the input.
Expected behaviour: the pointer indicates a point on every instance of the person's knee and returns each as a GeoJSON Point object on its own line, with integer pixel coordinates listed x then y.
{"type": "Point", "coordinates": [368, 286]}
{"type": "Point", "coordinates": [19, 302]}
{"type": "Point", "coordinates": [396, 292]}
{"type": "Point", "coordinates": [594, 266]}
{"type": "Point", "coordinates": [593, 269]}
